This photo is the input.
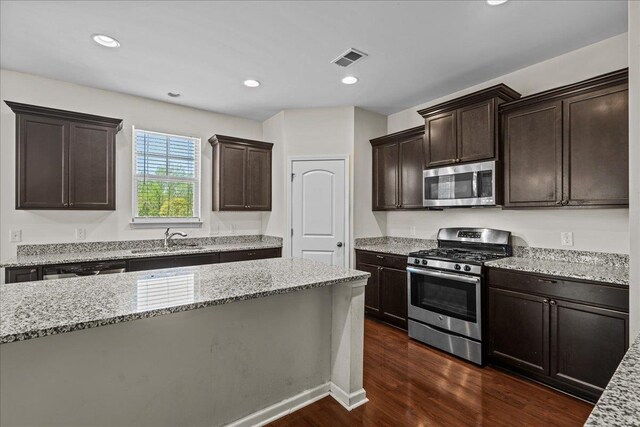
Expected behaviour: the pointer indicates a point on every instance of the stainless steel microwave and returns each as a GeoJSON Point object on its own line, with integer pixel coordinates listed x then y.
{"type": "Point", "coordinates": [461, 185]}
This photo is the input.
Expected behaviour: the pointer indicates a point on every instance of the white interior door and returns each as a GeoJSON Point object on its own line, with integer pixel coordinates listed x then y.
{"type": "Point", "coordinates": [319, 211]}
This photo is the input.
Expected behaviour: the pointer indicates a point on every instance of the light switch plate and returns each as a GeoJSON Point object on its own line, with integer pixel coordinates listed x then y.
{"type": "Point", "coordinates": [16, 236]}
{"type": "Point", "coordinates": [566, 238]}
{"type": "Point", "coordinates": [81, 233]}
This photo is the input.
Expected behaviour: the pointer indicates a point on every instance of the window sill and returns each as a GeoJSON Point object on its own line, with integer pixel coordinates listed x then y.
{"type": "Point", "coordinates": [165, 223]}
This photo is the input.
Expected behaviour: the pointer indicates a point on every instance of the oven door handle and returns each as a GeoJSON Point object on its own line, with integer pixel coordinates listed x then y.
{"type": "Point", "coordinates": [452, 276]}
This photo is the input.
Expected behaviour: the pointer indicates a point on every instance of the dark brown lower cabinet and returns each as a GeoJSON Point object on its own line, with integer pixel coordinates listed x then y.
{"type": "Point", "coordinates": [29, 274]}
{"type": "Point", "coordinates": [250, 255]}
{"type": "Point", "coordinates": [569, 334]}
{"type": "Point", "coordinates": [385, 295]}
{"type": "Point", "coordinates": [172, 261]}
{"type": "Point", "coordinates": [519, 330]}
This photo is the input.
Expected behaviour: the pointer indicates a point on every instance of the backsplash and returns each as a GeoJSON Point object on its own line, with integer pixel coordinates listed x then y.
{"type": "Point", "coordinates": [139, 244]}
{"type": "Point", "coordinates": [562, 255]}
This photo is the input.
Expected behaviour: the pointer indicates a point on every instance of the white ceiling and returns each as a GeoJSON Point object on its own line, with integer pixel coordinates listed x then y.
{"type": "Point", "coordinates": [205, 50]}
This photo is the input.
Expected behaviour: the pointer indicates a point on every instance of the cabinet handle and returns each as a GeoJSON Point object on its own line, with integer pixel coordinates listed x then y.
{"type": "Point", "coordinates": [565, 202]}
{"type": "Point", "coordinates": [33, 270]}
{"type": "Point", "coordinates": [66, 204]}
{"type": "Point", "coordinates": [545, 301]}
{"type": "Point", "coordinates": [553, 302]}
{"type": "Point", "coordinates": [547, 281]}
{"type": "Point", "coordinates": [559, 203]}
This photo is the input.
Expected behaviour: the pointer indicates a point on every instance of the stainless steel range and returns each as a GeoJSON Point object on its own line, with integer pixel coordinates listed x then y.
{"type": "Point", "coordinates": [446, 289]}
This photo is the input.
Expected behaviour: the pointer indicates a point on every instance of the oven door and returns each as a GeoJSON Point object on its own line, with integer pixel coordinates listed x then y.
{"type": "Point", "coordinates": [464, 185]}
{"type": "Point", "coordinates": [446, 300]}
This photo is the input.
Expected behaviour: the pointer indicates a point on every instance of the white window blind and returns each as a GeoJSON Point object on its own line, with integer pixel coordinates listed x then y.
{"type": "Point", "coordinates": [166, 177]}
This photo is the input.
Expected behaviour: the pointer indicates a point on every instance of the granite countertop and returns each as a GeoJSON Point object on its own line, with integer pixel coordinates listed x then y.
{"type": "Point", "coordinates": [599, 273]}
{"type": "Point", "coordinates": [394, 245]}
{"type": "Point", "coordinates": [109, 251]}
{"type": "Point", "coordinates": [619, 405]}
{"type": "Point", "coordinates": [37, 309]}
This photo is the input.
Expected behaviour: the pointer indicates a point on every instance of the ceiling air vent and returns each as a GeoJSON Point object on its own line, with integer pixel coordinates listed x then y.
{"type": "Point", "coordinates": [349, 57]}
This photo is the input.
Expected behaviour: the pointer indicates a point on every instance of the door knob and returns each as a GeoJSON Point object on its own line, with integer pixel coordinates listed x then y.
{"type": "Point", "coordinates": [339, 244]}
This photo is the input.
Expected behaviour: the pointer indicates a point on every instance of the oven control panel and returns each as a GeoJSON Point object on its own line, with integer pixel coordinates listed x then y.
{"type": "Point", "coordinates": [445, 265]}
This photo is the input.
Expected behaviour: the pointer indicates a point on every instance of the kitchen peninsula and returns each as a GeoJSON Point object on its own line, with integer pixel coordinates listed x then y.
{"type": "Point", "coordinates": [236, 343]}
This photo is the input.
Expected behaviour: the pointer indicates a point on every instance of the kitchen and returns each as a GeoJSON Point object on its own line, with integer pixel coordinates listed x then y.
{"type": "Point", "coordinates": [485, 225]}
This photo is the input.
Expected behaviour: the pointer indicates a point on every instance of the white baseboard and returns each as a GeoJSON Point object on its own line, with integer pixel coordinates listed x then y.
{"type": "Point", "coordinates": [349, 401]}
{"type": "Point", "coordinates": [307, 397]}
{"type": "Point", "coordinates": [285, 407]}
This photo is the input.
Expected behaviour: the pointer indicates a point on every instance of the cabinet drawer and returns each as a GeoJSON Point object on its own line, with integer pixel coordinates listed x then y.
{"type": "Point", "coordinates": [172, 261]}
{"type": "Point", "coordinates": [610, 296]}
{"type": "Point", "coordinates": [382, 259]}
{"type": "Point", "coordinates": [250, 255]}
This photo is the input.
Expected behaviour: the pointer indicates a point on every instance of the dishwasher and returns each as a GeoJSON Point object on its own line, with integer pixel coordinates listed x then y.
{"type": "Point", "coordinates": [83, 269]}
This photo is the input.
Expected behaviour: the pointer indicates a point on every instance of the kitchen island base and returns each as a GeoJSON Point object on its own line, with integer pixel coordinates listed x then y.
{"type": "Point", "coordinates": [242, 363]}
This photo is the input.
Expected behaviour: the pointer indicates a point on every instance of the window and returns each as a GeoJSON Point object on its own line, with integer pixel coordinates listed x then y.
{"type": "Point", "coordinates": [166, 185]}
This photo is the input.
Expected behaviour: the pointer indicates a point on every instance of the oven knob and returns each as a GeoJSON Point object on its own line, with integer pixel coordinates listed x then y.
{"type": "Point", "coordinates": [467, 268]}
{"type": "Point", "coordinates": [424, 262]}
{"type": "Point", "coordinates": [457, 267]}
{"type": "Point", "coordinates": [417, 261]}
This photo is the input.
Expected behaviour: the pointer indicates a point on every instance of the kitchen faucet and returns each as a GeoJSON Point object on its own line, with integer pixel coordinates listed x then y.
{"type": "Point", "coordinates": [168, 236]}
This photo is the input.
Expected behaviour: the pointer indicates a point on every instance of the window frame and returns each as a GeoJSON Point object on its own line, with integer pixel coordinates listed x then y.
{"type": "Point", "coordinates": [161, 222]}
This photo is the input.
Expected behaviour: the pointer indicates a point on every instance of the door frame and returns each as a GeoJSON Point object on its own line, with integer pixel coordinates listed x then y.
{"type": "Point", "coordinates": [347, 202]}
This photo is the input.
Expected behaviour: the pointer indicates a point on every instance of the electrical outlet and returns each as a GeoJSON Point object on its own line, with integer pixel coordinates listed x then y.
{"type": "Point", "coordinates": [412, 230]}
{"type": "Point", "coordinates": [215, 229]}
{"type": "Point", "coordinates": [233, 229]}
{"type": "Point", "coordinates": [81, 234]}
{"type": "Point", "coordinates": [566, 238]}
{"type": "Point", "coordinates": [16, 236]}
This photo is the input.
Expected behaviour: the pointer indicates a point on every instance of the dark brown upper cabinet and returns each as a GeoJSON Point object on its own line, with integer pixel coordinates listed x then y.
{"type": "Point", "coordinates": [569, 146]}
{"type": "Point", "coordinates": [64, 159]}
{"type": "Point", "coordinates": [398, 162]}
{"type": "Point", "coordinates": [241, 174]}
{"type": "Point", "coordinates": [465, 129]}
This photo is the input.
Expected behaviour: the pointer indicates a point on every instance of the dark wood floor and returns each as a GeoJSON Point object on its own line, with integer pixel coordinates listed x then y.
{"type": "Point", "coordinates": [410, 384]}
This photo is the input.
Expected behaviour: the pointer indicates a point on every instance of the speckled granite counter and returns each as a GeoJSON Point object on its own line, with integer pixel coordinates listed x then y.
{"type": "Point", "coordinates": [596, 266]}
{"type": "Point", "coordinates": [35, 309]}
{"type": "Point", "coordinates": [619, 405]}
{"type": "Point", "coordinates": [63, 253]}
{"type": "Point", "coordinates": [394, 245]}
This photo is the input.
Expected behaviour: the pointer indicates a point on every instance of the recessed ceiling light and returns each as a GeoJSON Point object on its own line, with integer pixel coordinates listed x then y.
{"type": "Point", "coordinates": [251, 83]}
{"type": "Point", "coordinates": [350, 80]}
{"type": "Point", "coordinates": [496, 2]}
{"type": "Point", "coordinates": [106, 41]}
{"type": "Point", "coordinates": [173, 94]}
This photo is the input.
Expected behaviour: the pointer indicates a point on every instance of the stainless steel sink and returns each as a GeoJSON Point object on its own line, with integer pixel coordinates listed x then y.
{"type": "Point", "coordinates": [165, 250]}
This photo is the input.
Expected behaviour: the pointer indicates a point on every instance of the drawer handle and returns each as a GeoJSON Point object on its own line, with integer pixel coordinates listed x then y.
{"type": "Point", "coordinates": [547, 281]}
{"type": "Point", "coordinates": [380, 256]}
{"type": "Point", "coordinates": [251, 253]}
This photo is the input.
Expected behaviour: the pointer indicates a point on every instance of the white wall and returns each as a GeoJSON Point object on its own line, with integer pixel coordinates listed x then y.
{"type": "Point", "coordinates": [59, 226]}
{"type": "Point", "coordinates": [368, 125]}
{"type": "Point", "coordinates": [634, 172]}
{"type": "Point", "coordinates": [598, 230]}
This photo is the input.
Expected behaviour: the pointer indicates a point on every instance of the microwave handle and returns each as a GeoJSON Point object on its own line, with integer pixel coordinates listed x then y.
{"type": "Point", "coordinates": [475, 185]}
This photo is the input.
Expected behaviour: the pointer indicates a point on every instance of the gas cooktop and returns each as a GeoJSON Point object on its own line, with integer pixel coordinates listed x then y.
{"type": "Point", "coordinates": [456, 255]}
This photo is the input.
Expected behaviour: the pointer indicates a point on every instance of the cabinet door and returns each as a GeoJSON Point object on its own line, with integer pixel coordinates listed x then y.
{"type": "Point", "coordinates": [385, 176]}
{"type": "Point", "coordinates": [587, 344]}
{"type": "Point", "coordinates": [233, 160]}
{"type": "Point", "coordinates": [372, 290]}
{"type": "Point", "coordinates": [519, 330]}
{"type": "Point", "coordinates": [18, 275]}
{"type": "Point", "coordinates": [412, 164]}
{"type": "Point", "coordinates": [393, 296]}
{"type": "Point", "coordinates": [476, 132]}
{"type": "Point", "coordinates": [440, 133]}
{"type": "Point", "coordinates": [41, 160]}
{"type": "Point", "coordinates": [258, 179]}
{"type": "Point", "coordinates": [596, 147]}
{"type": "Point", "coordinates": [91, 167]}
{"type": "Point", "coordinates": [533, 156]}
